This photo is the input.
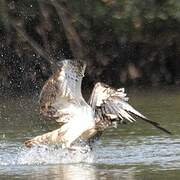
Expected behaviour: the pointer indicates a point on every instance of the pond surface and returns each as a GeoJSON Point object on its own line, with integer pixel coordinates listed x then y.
{"type": "Point", "coordinates": [131, 152]}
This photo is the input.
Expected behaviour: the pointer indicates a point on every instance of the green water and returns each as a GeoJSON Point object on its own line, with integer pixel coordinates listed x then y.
{"type": "Point", "coordinates": [131, 152]}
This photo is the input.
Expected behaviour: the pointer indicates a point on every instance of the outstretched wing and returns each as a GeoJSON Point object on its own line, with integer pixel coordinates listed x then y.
{"type": "Point", "coordinates": [59, 99]}
{"type": "Point", "coordinates": [62, 90]}
{"type": "Point", "coordinates": [111, 106]}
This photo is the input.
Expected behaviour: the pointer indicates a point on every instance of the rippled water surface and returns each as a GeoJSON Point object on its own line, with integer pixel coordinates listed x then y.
{"type": "Point", "coordinates": [134, 151]}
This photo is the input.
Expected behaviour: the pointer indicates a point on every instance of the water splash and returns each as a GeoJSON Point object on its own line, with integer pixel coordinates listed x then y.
{"type": "Point", "coordinates": [163, 152]}
{"type": "Point", "coordinates": [16, 154]}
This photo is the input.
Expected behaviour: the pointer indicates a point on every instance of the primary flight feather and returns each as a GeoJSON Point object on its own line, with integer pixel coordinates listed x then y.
{"type": "Point", "coordinates": [62, 101]}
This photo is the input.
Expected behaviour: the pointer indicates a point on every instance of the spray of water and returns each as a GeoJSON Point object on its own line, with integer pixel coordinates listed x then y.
{"type": "Point", "coordinates": [16, 154]}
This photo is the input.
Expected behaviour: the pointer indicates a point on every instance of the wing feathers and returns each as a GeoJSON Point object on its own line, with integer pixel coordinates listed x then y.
{"type": "Point", "coordinates": [111, 105]}
{"type": "Point", "coordinates": [157, 125]}
{"type": "Point", "coordinates": [61, 89]}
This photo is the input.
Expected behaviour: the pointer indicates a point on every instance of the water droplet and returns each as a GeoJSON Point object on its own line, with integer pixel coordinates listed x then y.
{"type": "Point", "coordinates": [3, 136]}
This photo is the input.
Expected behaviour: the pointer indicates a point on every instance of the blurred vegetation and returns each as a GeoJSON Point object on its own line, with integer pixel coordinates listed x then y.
{"type": "Point", "coordinates": [125, 42]}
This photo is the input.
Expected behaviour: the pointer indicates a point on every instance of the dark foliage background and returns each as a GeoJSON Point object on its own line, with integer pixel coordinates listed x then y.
{"type": "Point", "coordinates": [125, 42]}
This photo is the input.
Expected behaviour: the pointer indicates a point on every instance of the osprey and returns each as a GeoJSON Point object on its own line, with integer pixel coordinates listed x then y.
{"type": "Point", "coordinates": [61, 100]}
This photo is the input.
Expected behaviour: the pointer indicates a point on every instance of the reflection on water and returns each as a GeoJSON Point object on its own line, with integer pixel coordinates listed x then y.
{"type": "Point", "coordinates": [69, 172]}
{"type": "Point", "coordinates": [137, 151]}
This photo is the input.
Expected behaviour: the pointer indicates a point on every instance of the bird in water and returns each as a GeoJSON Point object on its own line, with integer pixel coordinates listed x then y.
{"type": "Point", "coordinates": [61, 100]}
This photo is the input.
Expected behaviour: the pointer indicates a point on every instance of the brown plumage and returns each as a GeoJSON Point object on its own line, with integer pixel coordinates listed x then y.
{"type": "Point", "coordinates": [61, 100]}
